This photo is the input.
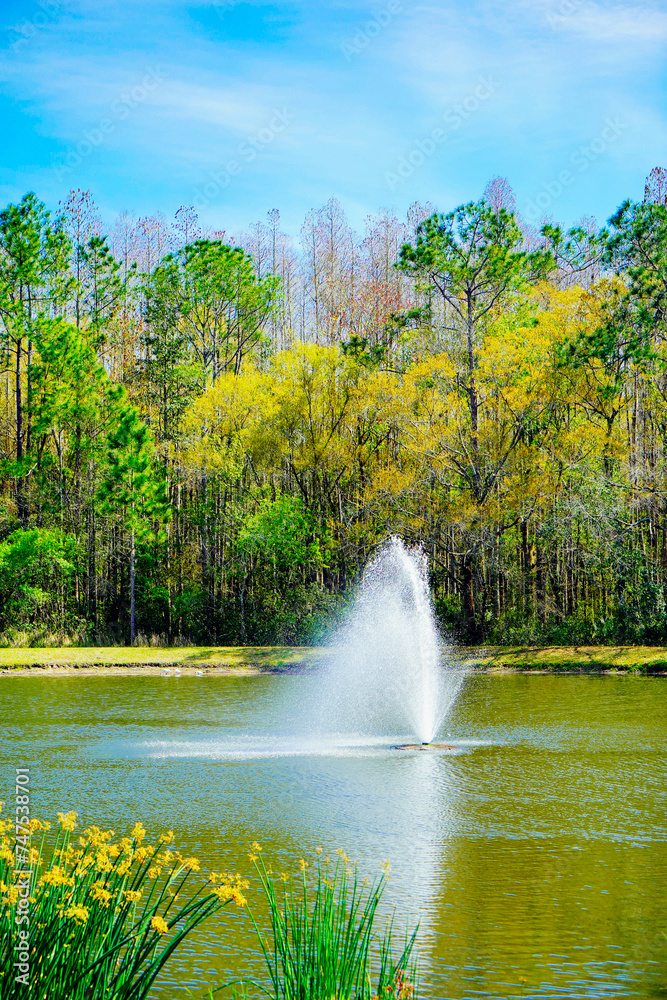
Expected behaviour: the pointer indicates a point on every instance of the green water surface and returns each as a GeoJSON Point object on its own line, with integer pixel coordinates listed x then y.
{"type": "Point", "coordinates": [533, 853]}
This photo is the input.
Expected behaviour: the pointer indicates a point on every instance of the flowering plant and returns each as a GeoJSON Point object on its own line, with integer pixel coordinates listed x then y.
{"type": "Point", "coordinates": [322, 941]}
{"type": "Point", "coordinates": [90, 916]}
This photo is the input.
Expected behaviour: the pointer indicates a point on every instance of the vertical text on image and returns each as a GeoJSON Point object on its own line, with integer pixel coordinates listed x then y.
{"type": "Point", "coordinates": [22, 877]}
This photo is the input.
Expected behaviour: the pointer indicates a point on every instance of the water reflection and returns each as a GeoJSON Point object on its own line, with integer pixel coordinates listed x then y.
{"type": "Point", "coordinates": [533, 854]}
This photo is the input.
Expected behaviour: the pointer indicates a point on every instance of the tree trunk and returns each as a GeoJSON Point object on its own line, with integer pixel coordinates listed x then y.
{"type": "Point", "coordinates": [468, 595]}
{"type": "Point", "coordinates": [132, 609]}
{"type": "Point", "coordinates": [20, 495]}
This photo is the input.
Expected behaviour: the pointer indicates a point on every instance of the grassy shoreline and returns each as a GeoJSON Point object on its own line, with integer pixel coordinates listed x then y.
{"type": "Point", "coordinates": [222, 660]}
{"type": "Point", "coordinates": [247, 660]}
{"type": "Point", "coordinates": [647, 660]}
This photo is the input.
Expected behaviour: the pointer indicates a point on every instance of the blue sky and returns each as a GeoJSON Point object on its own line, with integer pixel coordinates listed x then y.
{"type": "Point", "coordinates": [240, 107]}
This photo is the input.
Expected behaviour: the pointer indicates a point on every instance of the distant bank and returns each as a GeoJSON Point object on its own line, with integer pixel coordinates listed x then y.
{"type": "Point", "coordinates": [245, 660]}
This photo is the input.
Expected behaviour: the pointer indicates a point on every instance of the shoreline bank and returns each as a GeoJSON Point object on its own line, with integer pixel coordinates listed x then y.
{"type": "Point", "coordinates": [243, 661]}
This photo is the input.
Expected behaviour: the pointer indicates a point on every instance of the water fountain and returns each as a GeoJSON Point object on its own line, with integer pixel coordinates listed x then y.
{"type": "Point", "coordinates": [386, 673]}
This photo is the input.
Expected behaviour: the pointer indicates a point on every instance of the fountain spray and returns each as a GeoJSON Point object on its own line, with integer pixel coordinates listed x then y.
{"type": "Point", "coordinates": [388, 671]}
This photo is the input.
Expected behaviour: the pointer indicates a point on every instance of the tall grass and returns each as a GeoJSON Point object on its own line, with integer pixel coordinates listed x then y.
{"type": "Point", "coordinates": [323, 944]}
{"type": "Point", "coordinates": [103, 915]}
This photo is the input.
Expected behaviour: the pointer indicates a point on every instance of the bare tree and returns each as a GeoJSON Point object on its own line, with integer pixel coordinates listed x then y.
{"type": "Point", "coordinates": [655, 189]}
{"type": "Point", "coordinates": [330, 270]}
{"type": "Point", "coordinates": [186, 227]}
{"type": "Point", "coordinates": [153, 240]}
{"type": "Point", "coordinates": [498, 194]}
{"type": "Point", "coordinates": [384, 287]}
{"type": "Point", "coordinates": [82, 221]}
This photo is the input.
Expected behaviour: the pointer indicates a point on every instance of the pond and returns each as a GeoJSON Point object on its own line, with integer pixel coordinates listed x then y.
{"type": "Point", "coordinates": [533, 853]}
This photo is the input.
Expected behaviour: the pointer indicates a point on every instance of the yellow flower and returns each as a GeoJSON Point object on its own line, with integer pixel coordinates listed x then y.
{"type": "Point", "coordinates": [192, 864]}
{"type": "Point", "coordinates": [102, 862]}
{"type": "Point", "coordinates": [78, 913]}
{"type": "Point", "coordinates": [7, 855]}
{"type": "Point", "coordinates": [167, 838]}
{"type": "Point", "coordinates": [227, 892]}
{"type": "Point", "coordinates": [36, 825]}
{"type": "Point", "coordinates": [133, 896]}
{"type": "Point", "coordinates": [94, 836]}
{"type": "Point", "coordinates": [255, 848]}
{"type": "Point", "coordinates": [100, 894]}
{"type": "Point", "coordinates": [154, 871]}
{"type": "Point", "coordinates": [12, 895]}
{"type": "Point", "coordinates": [159, 925]}
{"type": "Point", "coordinates": [230, 888]}
{"type": "Point", "coordinates": [303, 864]}
{"type": "Point", "coordinates": [138, 832]}
{"type": "Point", "coordinates": [54, 876]}
{"type": "Point", "coordinates": [66, 854]}
{"type": "Point", "coordinates": [67, 821]}
{"type": "Point", "coordinates": [284, 877]}
{"type": "Point", "coordinates": [143, 853]}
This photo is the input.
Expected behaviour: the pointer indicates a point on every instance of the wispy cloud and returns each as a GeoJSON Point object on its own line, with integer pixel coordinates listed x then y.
{"type": "Point", "coordinates": [632, 28]}
{"type": "Point", "coordinates": [562, 67]}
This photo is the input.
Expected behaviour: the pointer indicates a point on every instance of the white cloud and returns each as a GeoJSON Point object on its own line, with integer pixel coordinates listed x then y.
{"type": "Point", "coordinates": [634, 29]}
{"type": "Point", "coordinates": [560, 75]}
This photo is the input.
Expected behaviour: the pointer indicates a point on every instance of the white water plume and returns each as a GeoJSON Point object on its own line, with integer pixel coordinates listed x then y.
{"type": "Point", "coordinates": [386, 674]}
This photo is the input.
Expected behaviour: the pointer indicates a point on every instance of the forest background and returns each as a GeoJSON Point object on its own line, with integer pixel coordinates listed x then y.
{"type": "Point", "coordinates": [203, 436]}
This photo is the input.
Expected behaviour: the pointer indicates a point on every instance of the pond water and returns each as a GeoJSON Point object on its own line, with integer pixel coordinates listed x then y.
{"type": "Point", "coordinates": [533, 853]}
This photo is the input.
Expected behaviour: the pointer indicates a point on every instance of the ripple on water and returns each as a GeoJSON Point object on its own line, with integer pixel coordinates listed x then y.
{"type": "Point", "coordinates": [534, 856]}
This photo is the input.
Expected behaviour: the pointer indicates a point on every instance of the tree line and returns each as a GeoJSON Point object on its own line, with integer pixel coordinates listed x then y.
{"type": "Point", "coordinates": [203, 436]}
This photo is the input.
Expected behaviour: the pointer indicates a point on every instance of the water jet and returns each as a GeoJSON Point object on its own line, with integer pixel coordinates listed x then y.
{"type": "Point", "coordinates": [389, 671]}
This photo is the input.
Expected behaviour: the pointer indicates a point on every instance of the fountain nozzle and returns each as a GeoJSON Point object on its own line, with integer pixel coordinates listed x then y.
{"type": "Point", "coordinates": [423, 746]}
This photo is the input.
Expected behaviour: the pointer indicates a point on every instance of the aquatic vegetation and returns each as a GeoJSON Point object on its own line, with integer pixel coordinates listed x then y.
{"type": "Point", "coordinates": [90, 915]}
{"type": "Point", "coordinates": [322, 941]}
{"type": "Point", "coordinates": [102, 914]}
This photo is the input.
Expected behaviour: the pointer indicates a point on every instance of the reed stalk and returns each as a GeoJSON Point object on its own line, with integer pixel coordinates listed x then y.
{"type": "Point", "coordinates": [322, 943]}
